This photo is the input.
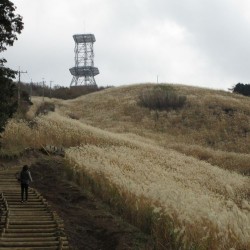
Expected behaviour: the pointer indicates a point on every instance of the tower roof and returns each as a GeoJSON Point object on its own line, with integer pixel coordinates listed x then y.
{"type": "Point", "coordinates": [84, 38]}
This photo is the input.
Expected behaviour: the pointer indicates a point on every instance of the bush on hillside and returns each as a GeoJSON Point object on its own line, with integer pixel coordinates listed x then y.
{"type": "Point", "coordinates": [242, 88]}
{"type": "Point", "coordinates": [45, 108]}
{"type": "Point", "coordinates": [161, 97]}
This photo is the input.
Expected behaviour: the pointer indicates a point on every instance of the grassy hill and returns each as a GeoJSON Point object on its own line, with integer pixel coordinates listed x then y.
{"type": "Point", "coordinates": [212, 126]}
{"type": "Point", "coordinates": [169, 172]}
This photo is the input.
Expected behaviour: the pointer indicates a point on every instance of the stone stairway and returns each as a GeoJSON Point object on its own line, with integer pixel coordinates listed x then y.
{"type": "Point", "coordinates": [30, 225]}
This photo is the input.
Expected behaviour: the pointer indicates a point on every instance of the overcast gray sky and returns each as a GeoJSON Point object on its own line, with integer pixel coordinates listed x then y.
{"type": "Point", "coordinates": [194, 42]}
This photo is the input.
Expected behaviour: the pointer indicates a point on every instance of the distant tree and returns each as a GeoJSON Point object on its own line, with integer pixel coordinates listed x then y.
{"type": "Point", "coordinates": [10, 25]}
{"type": "Point", "coordinates": [242, 88]}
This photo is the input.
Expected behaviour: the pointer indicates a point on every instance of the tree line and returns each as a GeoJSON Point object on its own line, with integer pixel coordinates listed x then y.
{"type": "Point", "coordinates": [10, 26]}
{"type": "Point", "coordinates": [57, 91]}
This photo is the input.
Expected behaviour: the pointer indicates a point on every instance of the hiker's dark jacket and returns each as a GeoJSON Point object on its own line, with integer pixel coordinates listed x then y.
{"type": "Point", "coordinates": [25, 177]}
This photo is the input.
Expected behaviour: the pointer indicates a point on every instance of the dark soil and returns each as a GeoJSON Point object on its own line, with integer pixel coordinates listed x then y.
{"type": "Point", "coordinates": [88, 222]}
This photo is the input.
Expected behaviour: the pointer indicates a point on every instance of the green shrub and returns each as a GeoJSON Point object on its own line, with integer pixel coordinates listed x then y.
{"type": "Point", "coordinates": [161, 97]}
{"type": "Point", "coordinates": [241, 88]}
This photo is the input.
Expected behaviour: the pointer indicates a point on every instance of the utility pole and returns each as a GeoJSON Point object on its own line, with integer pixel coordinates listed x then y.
{"type": "Point", "coordinates": [43, 89]}
{"type": "Point", "coordinates": [50, 89]}
{"type": "Point", "coordinates": [19, 86]}
{"type": "Point", "coordinates": [157, 79]}
{"type": "Point", "coordinates": [31, 89]}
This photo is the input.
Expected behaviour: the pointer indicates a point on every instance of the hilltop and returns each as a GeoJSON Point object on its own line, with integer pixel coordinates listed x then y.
{"type": "Point", "coordinates": [210, 118]}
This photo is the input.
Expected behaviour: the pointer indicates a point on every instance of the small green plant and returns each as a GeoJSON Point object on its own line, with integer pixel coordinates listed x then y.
{"type": "Point", "coordinates": [161, 98]}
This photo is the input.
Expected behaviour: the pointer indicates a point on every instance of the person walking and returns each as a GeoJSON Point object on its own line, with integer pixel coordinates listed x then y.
{"type": "Point", "coordinates": [25, 179]}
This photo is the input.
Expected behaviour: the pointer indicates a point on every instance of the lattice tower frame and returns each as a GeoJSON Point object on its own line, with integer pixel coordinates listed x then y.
{"type": "Point", "coordinates": [84, 70]}
{"type": "Point", "coordinates": [84, 54]}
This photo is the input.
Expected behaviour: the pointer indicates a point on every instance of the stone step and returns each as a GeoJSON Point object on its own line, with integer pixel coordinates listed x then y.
{"type": "Point", "coordinates": [18, 197]}
{"type": "Point", "coordinates": [29, 244]}
{"type": "Point", "coordinates": [26, 205]}
{"type": "Point", "coordinates": [4, 189]}
{"type": "Point", "coordinates": [34, 248]}
{"type": "Point", "coordinates": [33, 222]}
{"type": "Point", "coordinates": [29, 235]}
{"type": "Point", "coordinates": [37, 226]}
{"type": "Point", "coordinates": [30, 218]}
{"type": "Point", "coordinates": [30, 201]}
{"type": "Point", "coordinates": [30, 230]}
{"type": "Point", "coordinates": [18, 194]}
{"type": "Point", "coordinates": [28, 239]}
{"type": "Point", "coordinates": [28, 209]}
{"type": "Point", "coordinates": [29, 213]}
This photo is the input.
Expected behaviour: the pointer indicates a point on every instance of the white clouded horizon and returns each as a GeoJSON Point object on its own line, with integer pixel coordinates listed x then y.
{"type": "Point", "coordinates": [202, 43]}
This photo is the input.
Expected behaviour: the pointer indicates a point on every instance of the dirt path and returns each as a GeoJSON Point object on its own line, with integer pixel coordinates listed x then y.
{"type": "Point", "coordinates": [89, 224]}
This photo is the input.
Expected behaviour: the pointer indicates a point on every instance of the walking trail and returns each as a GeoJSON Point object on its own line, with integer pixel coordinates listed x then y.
{"type": "Point", "coordinates": [30, 225]}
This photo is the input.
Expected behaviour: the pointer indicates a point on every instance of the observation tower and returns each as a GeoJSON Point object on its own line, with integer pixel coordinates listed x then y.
{"type": "Point", "coordinates": [84, 71]}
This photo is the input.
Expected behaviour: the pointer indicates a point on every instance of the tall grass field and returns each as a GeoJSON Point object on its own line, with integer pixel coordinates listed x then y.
{"type": "Point", "coordinates": [181, 174]}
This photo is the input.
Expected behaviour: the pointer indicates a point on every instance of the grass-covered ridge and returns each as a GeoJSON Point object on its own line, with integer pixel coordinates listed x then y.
{"type": "Point", "coordinates": [140, 160]}
{"type": "Point", "coordinates": [209, 118]}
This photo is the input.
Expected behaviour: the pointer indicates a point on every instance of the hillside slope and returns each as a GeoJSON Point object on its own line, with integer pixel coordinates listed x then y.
{"type": "Point", "coordinates": [213, 125]}
{"type": "Point", "coordinates": [138, 160]}
{"type": "Point", "coordinates": [216, 119]}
